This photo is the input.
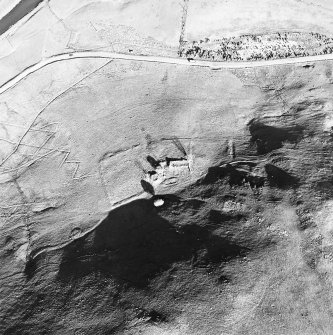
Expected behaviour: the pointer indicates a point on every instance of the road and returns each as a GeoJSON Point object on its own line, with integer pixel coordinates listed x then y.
{"type": "Point", "coordinates": [158, 59]}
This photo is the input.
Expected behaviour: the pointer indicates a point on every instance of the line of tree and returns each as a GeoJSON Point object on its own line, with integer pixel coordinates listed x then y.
{"type": "Point", "coordinates": [258, 47]}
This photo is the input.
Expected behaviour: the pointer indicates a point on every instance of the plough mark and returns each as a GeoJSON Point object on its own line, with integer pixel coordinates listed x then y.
{"type": "Point", "coordinates": [37, 156]}
{"type": "Point", "coordinates": [31, 128]}
{"type": "Point", "coordinates": [28, 163]}
{"type": "Point", "coordinates": [34, 156]}
{"type": "Point", "coordinates": [42, 110]}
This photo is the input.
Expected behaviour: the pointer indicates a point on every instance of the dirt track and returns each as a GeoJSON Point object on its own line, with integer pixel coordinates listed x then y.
{"type": "Point", "coordinates": [178, 61]}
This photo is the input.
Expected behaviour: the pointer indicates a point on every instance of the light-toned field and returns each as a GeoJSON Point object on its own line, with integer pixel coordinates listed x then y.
{"type": "Point", "coordinates": [216, 18]}
{"type": "Point", "coordinates": [58, 27]}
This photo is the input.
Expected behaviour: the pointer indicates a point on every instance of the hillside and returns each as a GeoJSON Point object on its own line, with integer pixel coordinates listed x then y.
{"type": "Point", "coordinates": [161, 198]}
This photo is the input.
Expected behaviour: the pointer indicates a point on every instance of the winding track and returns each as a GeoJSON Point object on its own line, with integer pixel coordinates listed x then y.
{"type": "Point", "coordinates": [158, 59]}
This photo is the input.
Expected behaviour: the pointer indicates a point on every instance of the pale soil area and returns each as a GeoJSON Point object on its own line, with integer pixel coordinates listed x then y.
{"type": "Point", "coordinates": [59, 26]}
{"type": "Point", "coordinates": [225, 18]}
{"type": "Point", "coordinates": [62, 26]}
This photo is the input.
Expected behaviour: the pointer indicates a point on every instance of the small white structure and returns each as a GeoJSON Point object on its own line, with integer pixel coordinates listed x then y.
{"type": "Point", "coordinates": [158, 202]}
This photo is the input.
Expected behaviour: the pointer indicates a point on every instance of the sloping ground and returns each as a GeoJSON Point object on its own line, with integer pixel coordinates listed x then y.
{"type": "Point", "coordinates": [59, 26]}
{"type": "Point", "coordinates": [242, 242]}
